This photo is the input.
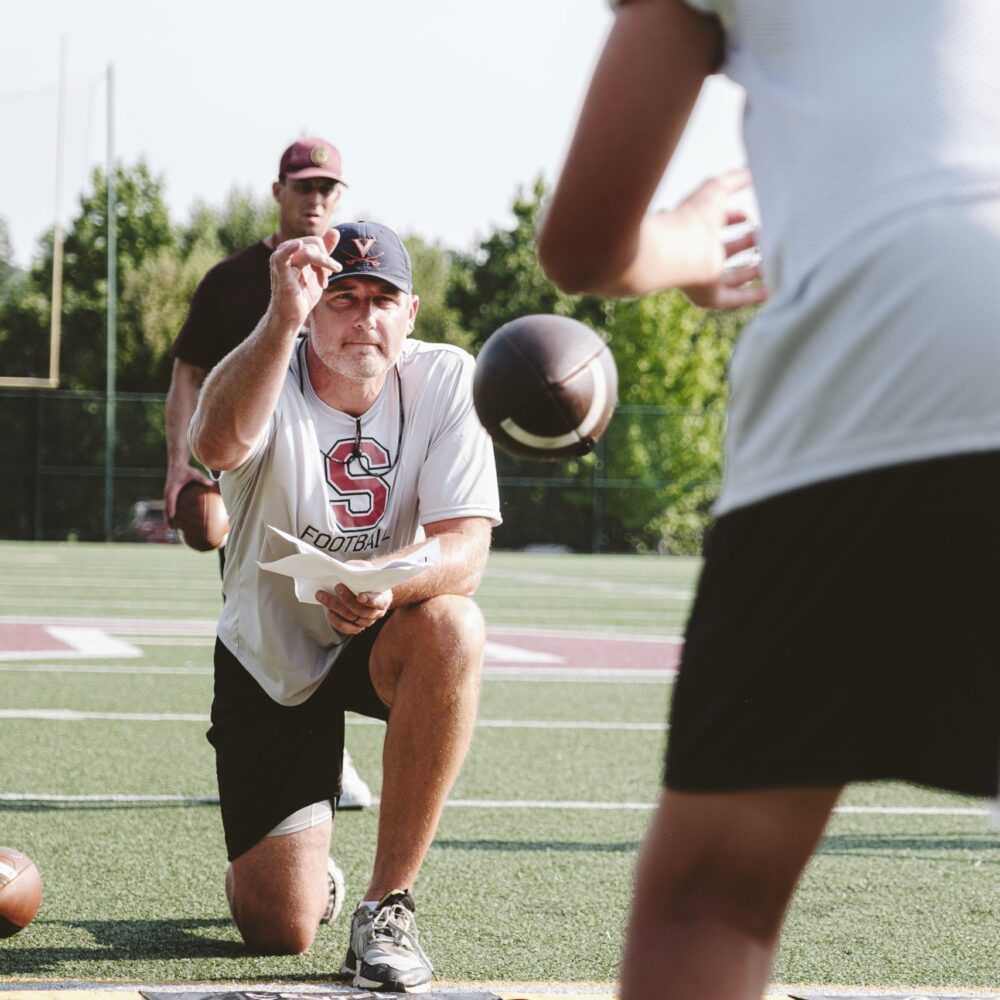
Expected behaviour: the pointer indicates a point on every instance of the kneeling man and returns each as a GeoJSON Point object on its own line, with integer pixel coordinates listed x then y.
{"type": "Point", "coordinates": [364, 444]}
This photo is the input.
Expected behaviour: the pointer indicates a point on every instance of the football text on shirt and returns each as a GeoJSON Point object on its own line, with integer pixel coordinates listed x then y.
{"type": "Point", "coordinates": [354, 544]}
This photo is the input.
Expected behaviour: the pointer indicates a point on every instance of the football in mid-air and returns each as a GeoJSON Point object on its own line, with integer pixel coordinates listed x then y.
{"type": "Point", "coordinates": [201, 518]}
{"type": "Point", "coordinates": [545, 387]}
{"type": "Point", "coordinates": [20, 891]}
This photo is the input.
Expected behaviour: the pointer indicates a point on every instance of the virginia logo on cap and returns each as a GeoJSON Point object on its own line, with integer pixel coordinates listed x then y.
{"type": "Point", "coordinates": [364, 246]}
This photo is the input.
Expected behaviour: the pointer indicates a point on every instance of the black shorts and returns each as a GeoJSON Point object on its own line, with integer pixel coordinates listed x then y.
{"type": "Point", "coordinates": [272, 759]}
{"type": "Point", "coordinates": [848, 631]}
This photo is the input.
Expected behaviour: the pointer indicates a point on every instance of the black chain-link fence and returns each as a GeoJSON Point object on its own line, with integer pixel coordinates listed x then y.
{"type": "Point", "coordinates": [647, 486]}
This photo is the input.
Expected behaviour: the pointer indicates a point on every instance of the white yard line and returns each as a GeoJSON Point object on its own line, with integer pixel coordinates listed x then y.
{"type": "Point", "coordinates": [187, 800]}
{"type": "Point", "coordinates": [547, 804]}
{"type": "Point", "coordinates": [569, 675]}
{"type": "Point", "coordinates": [122, 626]}
{"type": "Point", "coordinates": [623, 587]}
{"type": "Point", "coordinates": [581, 675]}
{"type": "Point", "coordinates": [101, 668]}
{"type": "Point", "coordinates": [74, 642]}
{"type": "Point", "coordinates": [207, 627]}
{"type": "Point", "coordinates": [73, 715]}
{"type": "Point", "coordinates": [915, 810]}
{"type": "Point", "coordinates": [575, 633]}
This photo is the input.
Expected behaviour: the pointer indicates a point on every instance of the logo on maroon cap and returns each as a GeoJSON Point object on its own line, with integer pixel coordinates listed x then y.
{"type": "Point", "coordinates": [310, 157]}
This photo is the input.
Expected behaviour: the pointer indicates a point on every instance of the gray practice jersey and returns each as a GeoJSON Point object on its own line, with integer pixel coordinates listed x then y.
{"type": "Point", "coordinates": [879, 192]}
{"type": "Point", "coordinates": [435, 464]}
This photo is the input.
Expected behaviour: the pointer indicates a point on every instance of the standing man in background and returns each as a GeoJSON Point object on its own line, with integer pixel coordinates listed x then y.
{"type": "Point", "coordinates": [226, 307]}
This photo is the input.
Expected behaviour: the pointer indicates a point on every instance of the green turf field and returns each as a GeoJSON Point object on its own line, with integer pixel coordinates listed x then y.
{"type": "Point", "coordinates": [519, 886]}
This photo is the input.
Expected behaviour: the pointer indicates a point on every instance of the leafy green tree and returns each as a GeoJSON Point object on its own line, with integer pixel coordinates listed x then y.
{"type": "Point", "coordinates": [142, 230]}
{"type": "Point", "coordinates": [503, 280]}
{"type": "Point", "coordinates": [9, 272]}
{"type": "Point", "coordinates": [672, 359]}
{"type": "Point", "coordinates": [13, 290]}
{"type": "Point", "coordinates": [157, 295]}
{"type": "Point", "coordinates": [202, 231]}
{"type": "Point", "coordinates": [24, 319]}
{"type": "Point", "coordinates": [244, 219]}
{"type": "Point", "coordinates": [437, 322]}
{"type": "Point", "coordinates": [650, 483]}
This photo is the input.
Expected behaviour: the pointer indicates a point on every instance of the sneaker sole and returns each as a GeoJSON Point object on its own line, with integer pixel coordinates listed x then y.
{"type": "Point", "coordinates": [389, 985]}
{"type": "Point", "coordinates": [349, 805]}
{"type": "Point", "coordinates": [350, 966]}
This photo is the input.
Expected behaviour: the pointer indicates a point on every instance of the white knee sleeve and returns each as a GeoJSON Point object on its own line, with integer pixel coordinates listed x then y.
{"type": "Point", "coordinates": [304, 818]}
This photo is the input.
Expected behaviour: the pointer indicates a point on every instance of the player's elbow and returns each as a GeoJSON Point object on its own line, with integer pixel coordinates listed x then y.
{"type": "Point", "coordinates": [216, 457]}
{"type": "Point", "coordinates": [205, 453]}
{"type": "Point", "coordinates": [469, 584]}
{"type": "Point", "coordinates": [212, 449]}
{"type": "Point", "coordinates": [559, 266]}
{"type": "Point", "coordinates": [475, 570]}
{"type": "Point", "coordinates": [565, 263]}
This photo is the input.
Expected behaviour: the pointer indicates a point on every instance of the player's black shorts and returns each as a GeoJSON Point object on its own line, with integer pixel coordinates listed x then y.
{"type": "Point", "coordinates": [848, 631]}
{"type": "Point", "coordinates": [271, 759]}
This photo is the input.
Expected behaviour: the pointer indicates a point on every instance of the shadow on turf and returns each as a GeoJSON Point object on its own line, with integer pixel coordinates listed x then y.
{"type": "Point", "coordinates": [881, 844]}
{"type": "Point", "coordinates": [40, 805]}
{"type": "Point", "coordinates": [122, 940]}
{"type": "Point", "coordinates": [615, 847]}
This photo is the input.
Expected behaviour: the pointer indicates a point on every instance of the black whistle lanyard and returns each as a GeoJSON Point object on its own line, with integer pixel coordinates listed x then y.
{"type": "Point", "coordinates": [356, 451]}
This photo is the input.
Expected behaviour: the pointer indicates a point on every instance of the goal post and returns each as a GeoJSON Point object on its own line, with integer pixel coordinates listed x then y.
{"type": "Point", "coordinates": [55, 320]}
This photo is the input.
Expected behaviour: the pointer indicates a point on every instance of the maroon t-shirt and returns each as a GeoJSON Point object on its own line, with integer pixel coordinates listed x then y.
{"type": "Point", "coordinates": [225, 308]}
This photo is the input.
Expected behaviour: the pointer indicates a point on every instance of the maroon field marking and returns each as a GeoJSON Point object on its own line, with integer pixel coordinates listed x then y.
{"type": "Point", "coordinates": [508, 648]}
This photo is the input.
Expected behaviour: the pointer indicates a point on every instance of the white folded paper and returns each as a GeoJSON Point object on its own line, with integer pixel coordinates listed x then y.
{"type": "Point", "coordinates": [314, 570]}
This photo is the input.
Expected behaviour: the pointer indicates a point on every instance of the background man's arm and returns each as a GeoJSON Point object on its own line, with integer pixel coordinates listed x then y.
{"type": "Point", "coordinates": [182, 398]}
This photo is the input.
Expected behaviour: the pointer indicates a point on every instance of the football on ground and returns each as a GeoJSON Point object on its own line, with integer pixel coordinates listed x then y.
{"type": "Point", "coordinates": [201, 518]}
{"type": "Point", "coordinates": [20, 891]}
{"type": "Point", "coordinates": [545, 387]}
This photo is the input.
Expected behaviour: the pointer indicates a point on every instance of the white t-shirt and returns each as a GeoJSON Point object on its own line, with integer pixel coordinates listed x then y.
{"type": "Point", "coordinates": [440, 466]}
{"type": "Point", "coordinates": [873, 134]}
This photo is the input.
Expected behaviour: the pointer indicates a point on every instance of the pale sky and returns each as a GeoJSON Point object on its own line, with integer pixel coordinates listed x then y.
{"type": "Point", "coordinates": [441, 108]}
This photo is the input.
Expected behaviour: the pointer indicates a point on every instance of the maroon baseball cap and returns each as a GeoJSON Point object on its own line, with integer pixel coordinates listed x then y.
{"type": "Point", "coordinates": [310, 157]}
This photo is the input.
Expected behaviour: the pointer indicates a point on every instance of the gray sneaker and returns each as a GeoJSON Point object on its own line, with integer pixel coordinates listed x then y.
{"type": "Point", "coordinates": [337, 889]}
{"type": "Point", "coordinates": [384, 953]}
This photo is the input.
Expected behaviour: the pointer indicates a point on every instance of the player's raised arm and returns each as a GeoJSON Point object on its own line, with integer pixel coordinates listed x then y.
{"type": "Point", "coordinates": [241, 392]}
{"type": "Point", "coordinates": [597, 236]}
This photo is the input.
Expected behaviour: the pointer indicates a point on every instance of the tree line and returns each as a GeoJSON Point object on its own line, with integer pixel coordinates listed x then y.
{"type": "Point", "coordinates": [649, 486]}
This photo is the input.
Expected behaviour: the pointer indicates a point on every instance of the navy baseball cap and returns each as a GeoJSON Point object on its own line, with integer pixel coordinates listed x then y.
{"type": "Point", "coordinates": [374, 251]}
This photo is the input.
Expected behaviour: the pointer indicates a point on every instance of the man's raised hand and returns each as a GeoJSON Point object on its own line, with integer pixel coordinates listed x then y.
{"type": "Point", "coordinates": [300, 269]}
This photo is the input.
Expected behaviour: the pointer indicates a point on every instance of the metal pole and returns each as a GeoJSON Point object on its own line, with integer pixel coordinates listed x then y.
{"type": "Point", "coordinates": [597, 501]}
{"type": "Point", "coordinates": [109, 454]}
{"type": "Point", "coordinates": [55, 321]}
